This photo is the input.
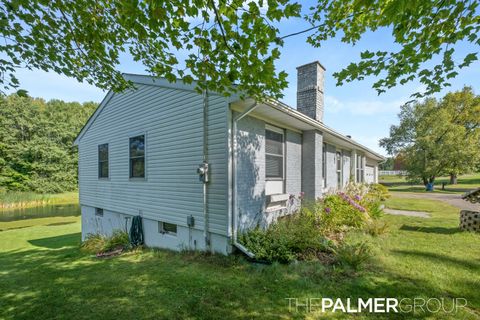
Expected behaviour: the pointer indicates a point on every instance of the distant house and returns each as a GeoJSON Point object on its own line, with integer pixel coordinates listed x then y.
{"type": "Point", "coordinates": [144, 152]}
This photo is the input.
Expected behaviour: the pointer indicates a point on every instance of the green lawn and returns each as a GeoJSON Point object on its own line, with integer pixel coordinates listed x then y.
{"type": "Point", "coordinates": [465, 183]}
{"type": "Point", "coordinates": [43, 275]}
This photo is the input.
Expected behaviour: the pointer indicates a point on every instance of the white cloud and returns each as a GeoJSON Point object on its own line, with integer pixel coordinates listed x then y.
{"type": "Point", "coordinates": [362, 107]}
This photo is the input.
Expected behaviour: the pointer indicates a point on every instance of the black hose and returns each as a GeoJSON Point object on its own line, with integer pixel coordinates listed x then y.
{"type": "Point", "coordinates": [136, 231]}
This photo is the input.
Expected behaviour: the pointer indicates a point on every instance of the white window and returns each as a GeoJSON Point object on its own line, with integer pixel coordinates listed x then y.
{"type": "Point", "coordinates": [274, 160]}
{"type": "Point", "coordinates": [360, 168]}
{"type": "Point", "coordinates": [339, 169]}
{"type": "Point", "coordinates": [324, 164]}
{"type": "Point", "coordinates": [167, 228]}
{"type": "Point", "coordinates": [137, 157]}
{"type": "Point", "coordinates": [274, 154]}
{"type": "Point", "coordinates": [103, 161]}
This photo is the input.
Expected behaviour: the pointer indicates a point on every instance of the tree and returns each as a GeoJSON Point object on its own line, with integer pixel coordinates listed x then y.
{"type": "Point", "coordinates": [387, 164]}
{"type": "Point", "coordinates": [438, 137]}
{"type": "Point", "coordinates": [231, 45]}
{"type": "Point", "coordinates": [36, 143]}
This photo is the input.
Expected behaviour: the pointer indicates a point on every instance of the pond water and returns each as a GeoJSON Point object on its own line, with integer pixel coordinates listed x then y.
{"type": "Point", "coordinates": [40, 212]}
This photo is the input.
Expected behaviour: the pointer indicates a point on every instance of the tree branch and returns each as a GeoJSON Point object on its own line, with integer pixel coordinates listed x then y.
{"type": "Point", "coordinates": [219, 21]}
{"type": "Point", "coordinates": [320, 25]}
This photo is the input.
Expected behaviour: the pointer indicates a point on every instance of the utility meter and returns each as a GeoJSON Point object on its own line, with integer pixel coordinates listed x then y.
{"type": "Point", "coordinates": [203, 172]}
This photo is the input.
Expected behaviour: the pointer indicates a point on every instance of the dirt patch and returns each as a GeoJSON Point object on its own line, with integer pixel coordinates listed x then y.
{"type": "Point", "coordinates": [420, 214]}
{"type": "Point", "coordinates": [452, 199]}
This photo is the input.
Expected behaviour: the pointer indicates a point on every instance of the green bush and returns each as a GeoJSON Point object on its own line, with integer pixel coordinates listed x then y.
{"type": "Point", "coordinates": [96, 243]}
{"type": "Point", "coordinates": [338, 214]}
{"type": "Point", "coordinates": [353, 254]}
{"type": "Point", "coordinates": [290, 238]}
{"type": "Point", "coordinates": [378, 191]}
{"type": "Point", "coordinates": [118, 239]}
{"type": "Point", "coordinates": [376, 228]}
{"type": "Point", "coordinates": [312, 232]}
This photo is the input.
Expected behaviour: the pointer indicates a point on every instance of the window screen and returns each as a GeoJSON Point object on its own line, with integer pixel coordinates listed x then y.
{"type": "Point", "coordinates": [137, 157]}
{"type": "Point", "coordinates": [273, 154]}
{"type": "Point", "coordinates": [103, 160]}
{"type": "Point", "coordinates": [165, 227]}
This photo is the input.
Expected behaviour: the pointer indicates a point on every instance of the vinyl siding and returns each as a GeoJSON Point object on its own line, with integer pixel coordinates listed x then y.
{"type": "Point", "coordinates": [171, 120]}
{"type": "Point", "coordinates": [331, 167]}
{"type": "Point", "coordinates": [346, 167]}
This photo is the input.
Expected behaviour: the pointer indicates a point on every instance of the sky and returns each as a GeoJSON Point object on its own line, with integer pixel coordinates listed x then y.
{"type": "Point", "coordinates": [352, 109]}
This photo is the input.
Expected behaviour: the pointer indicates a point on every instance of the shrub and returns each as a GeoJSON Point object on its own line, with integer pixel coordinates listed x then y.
{"type": "Point", "coordinates": [376, 228]}
{"type": "Point", "coordinates": [354, 189]}
{"type": "Point", "coordinates": [292, 237]}
{"type": "Point", "coordinates": [118, 239]}
{"type": "Point", "coordinates": [353, 254]}
{"type": "Point", "coordinates": [378, 191]}
{"type": "Point", "coordinates": [96, 243]}
{"type": "Point", "coordinates": [310, 233]}
{"type": "Point", "coordinates": [339, 213]}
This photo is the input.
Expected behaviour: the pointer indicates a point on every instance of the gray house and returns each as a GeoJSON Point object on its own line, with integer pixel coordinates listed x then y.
{"type": "Point", "coordinates": [200, 168]}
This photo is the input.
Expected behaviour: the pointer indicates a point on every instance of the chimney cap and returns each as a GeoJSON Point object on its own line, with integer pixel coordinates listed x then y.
{"type": "Point", "coordinates": [307, 64]}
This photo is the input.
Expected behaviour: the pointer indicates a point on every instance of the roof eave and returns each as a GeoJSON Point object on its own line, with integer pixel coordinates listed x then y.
{"type": "Point", "coordinates": [320, 126]}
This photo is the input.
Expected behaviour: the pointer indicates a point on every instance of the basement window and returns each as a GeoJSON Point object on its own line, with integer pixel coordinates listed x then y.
{"type": "Point", "coordinates": [167, 228]}
{"type": "Point", "coordinates": [99, 212]}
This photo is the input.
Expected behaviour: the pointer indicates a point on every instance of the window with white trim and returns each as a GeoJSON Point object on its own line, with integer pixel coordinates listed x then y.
{"type": "Point", "coordinates": [274, 154]}
{"type": "Point", "coordinates": [360, 168]}
{"type": "Point", "coordinates": [339, 169]}
{"type": "Point", "coordinates": [137, 156]}
{"type": "Point", "coordinates": [103, 160]}
{"type": "Point", "coordinates": [324, 164]}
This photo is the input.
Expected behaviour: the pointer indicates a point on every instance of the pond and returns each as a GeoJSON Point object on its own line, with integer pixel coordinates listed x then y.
{"type": "Point", "coordinates": [40, 212]}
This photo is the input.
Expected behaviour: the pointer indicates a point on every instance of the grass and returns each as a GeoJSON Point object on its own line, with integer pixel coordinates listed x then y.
{"type": "Point", "coordinates": [44, 275]}
{"type": "Point", "coordinates": [464, 183]}
{"type": "Point", "coordinates": [12, 200]}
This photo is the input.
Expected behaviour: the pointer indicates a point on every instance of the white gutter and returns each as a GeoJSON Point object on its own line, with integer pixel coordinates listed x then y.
{"type": "Point", "coordinates": [322, 127]}
{"type": "Point", "coordinates": [234, 169]}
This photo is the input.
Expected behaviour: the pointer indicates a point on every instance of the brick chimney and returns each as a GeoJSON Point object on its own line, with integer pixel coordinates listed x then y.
{"type": "Point", "coordinates": [310, 79]}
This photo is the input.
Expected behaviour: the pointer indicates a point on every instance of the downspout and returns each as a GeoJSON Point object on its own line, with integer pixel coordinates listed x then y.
{"type": "Point", "coordinates": [234, 169]}
{"type": "Point", "coordinates": [206, 169]}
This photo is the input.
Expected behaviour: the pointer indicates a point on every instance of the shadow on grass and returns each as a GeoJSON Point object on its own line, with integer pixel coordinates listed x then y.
{"type": "Point", "coordinates": [440, 258]}
{"type": "Point", "coordinates": [63, 283]}
{"type": "Point", "coordinates": [60, 223]}
{"type": "Point", "coordinates": [438, 230]}
{"type": "Point", "coordinates": [57, 242]}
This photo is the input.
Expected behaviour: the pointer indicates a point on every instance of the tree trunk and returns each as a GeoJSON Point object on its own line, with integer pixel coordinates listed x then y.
{"type": "Point", "coordinates": [425, 181]}
{"type": "Point", "coordinates": [453, 178]}
{"type": "Point", "coordinates": [430, 183]}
